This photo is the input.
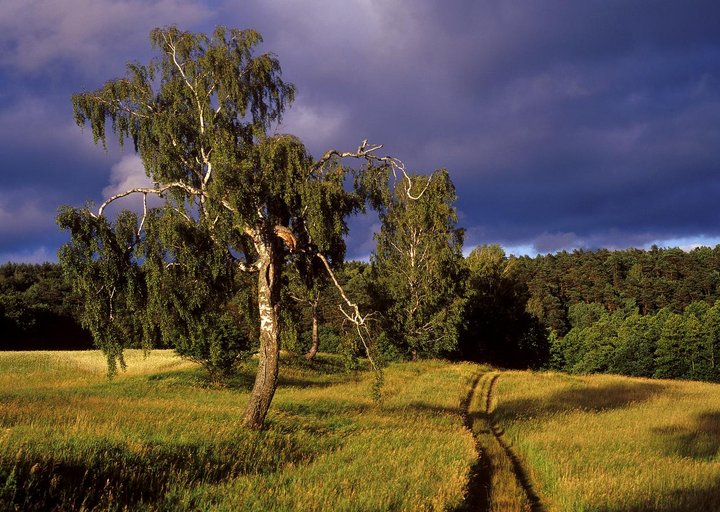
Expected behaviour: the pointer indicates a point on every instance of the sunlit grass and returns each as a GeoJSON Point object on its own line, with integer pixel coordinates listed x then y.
{"type": "Point", "coordinates": [497, 484]}
{"type": "Point", "coordinates": [158, 436]}
{"type": "Point", "coordinates": [614, 443]}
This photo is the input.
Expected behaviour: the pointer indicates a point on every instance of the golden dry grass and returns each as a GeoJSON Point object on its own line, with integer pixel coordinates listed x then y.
{"type": "Point", "coordinates": [157, 437]}
{"type": "Point", "coordinates": [614, 443]}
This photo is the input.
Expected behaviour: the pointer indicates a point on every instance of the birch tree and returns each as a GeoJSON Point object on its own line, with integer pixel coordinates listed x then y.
{"type": "Point", "coordinates": [234, 199]}
{"type": "Point", "coordinates": [417, 267]}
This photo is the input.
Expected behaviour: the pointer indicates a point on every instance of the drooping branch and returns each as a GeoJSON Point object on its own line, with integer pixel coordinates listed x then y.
{"type": "Point", "coordinates": [358, 320]}
{"type": "Point", "coordinates": [119, 105]}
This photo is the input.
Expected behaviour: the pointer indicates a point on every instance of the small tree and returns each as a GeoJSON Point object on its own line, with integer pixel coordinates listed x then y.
{"type": "Point", "coordinates": [234, 199]}
{"type": "Point", "coordinates": [307, 287]}
{"type": "Point", "coordinates": [417, 264]}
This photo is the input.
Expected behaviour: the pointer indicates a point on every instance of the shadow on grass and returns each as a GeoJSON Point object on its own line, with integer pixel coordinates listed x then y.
{"type": "Point", "coordinates": [425, 408]}
{"type": "Point", "coordinates": [296, 371]}
{"type": "Point", "coordinates": [693, 499]}
{"type": "Point", "coordinates": [323, 410]}
{"type": "Point", "coordinates": [107, 475]}
{"type": "Point", "coordinates": [309, 382]}
{"type": "Point", "coordinates": [591, 399]}
{"type": "Point", "coordinates": [699, 441]}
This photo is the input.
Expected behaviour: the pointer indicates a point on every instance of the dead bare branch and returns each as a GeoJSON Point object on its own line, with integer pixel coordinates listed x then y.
{"type": "Point", "coordinates": [358, 320]}
{"type": "Point", "coordinates": [367, 152]}
{"type": "Point", "coordinates": [146, 190]}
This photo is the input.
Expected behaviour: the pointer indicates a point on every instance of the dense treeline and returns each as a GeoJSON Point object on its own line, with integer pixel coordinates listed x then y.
{"type": "Point", "coordinates": [643, 313]}
{"type": "Point", "coordinates": [654, 279]}
{"type": "Point", "coordinates": [38, 310]}
{"type": "Point", "coordinates": [664, 344]}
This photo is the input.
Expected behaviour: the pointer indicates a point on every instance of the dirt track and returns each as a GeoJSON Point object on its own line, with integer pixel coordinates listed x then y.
{"type": "Point", "coordinates": [495, 457]}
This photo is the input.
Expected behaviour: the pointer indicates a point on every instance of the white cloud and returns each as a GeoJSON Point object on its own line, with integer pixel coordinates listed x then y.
{"type": "Point", "coordinates": [317, 126]}
{"type": "Point", "coordinates": [127, 174]}
{"type": "Point", "coordinates": [687, 243]}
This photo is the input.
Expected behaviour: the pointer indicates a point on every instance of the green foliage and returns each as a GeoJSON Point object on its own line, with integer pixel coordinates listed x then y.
{"type": "Point", "coordinates": [203, 306]}
{"type": "Point", "coordinates": [216, 74]}
{"type": "Point", "coordinates": [664, 345]}
{"type": "Point", "coordinates": [330, 340]}
{"type": "Point", "coordinates": [634, 353]}
{"type": "Point", "coordinates": [289, 336]}
{"type": "Point", "coordinates": [576, 295]}
{"type": "Point", "coordinates": [38, 309]}
{"type": "Point", "coordinates": [711, 343]}
{"type": "Point", "coordinates": [417, 267]}
{"type": "Point", "coordinates": [583, 315]}
{"type": "Point", "coordinates": [198, 115]}
{"type": "Point", "coordinates": [497, 328]}
{"type": "Point", "coordinates": [99, 262]}
{"type": "Point", "coordinates": [654, 279]}
{"type": "Point", "coordinates": [670, 362]}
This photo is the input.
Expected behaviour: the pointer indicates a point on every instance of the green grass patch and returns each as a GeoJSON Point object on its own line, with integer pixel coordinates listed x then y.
{"type": "Point", "coordinates": [160, 437]}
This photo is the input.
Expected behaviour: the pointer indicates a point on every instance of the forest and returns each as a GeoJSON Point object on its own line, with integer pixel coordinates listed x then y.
{"type": "Point", "coordinates": [647, 313]}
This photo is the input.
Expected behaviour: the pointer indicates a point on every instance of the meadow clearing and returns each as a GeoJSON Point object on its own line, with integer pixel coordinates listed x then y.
{"type": "Point", "coordinates": [608, 443]}
{"type": "Point", "coordinates": [158, 437]}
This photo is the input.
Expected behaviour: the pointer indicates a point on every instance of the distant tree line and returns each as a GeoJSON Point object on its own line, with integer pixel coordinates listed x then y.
{"type": "Point", "coordinates": [664, 345]}
{"type": "Point", "coordinates": [652, 313]}
{"type": "Point", "coordinates": [633, 312]}
{"type": "Point", "coordinates": [654, 279]}
{"type": "Point", "coordinates": [38, 310]}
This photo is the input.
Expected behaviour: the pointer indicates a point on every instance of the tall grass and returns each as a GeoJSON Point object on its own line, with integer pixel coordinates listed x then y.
{"type": "Point", "coordinates": [614, 443]}
{"type": "Point", "coordinates": [158, 437]}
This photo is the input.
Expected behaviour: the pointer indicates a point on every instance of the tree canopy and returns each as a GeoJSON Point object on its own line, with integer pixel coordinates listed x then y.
{"type": "Point", "coordinates": [234, 199]}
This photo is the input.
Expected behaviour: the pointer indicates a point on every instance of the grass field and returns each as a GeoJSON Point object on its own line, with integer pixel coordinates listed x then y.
{"type": "Point", "coordinates": [613, 443]}
{"type": "Point", "coordinates": [157, 437]}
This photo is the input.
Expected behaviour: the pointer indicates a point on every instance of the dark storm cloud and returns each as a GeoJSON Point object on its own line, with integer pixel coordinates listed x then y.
{"type": "Point", "coordinates": [49, 50]}
{"type": "Point", "coordinates": [564, 124]}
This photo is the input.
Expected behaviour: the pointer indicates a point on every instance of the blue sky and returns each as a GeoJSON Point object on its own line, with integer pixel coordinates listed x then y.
{"type": "Point", "coordinates": [564, 124]}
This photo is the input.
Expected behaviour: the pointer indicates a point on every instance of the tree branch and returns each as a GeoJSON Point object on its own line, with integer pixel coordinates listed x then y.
{"type": "Point", "coordinates": [145, 210]}
{"type": "Point", "coordinates": [367, 152]}
{"type": "Point", "coordinates": [354, 317]}
{"type": "Point", "coordinates": [157, 191]}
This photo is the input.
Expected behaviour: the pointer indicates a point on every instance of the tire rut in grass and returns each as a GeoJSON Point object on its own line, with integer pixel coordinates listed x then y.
{"type": "Point", "coordinates": [499, 479]}
{"type": "Point", "coordinates": [518, 466]}
{"type": "Point", "coordinates": [477, 494]}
